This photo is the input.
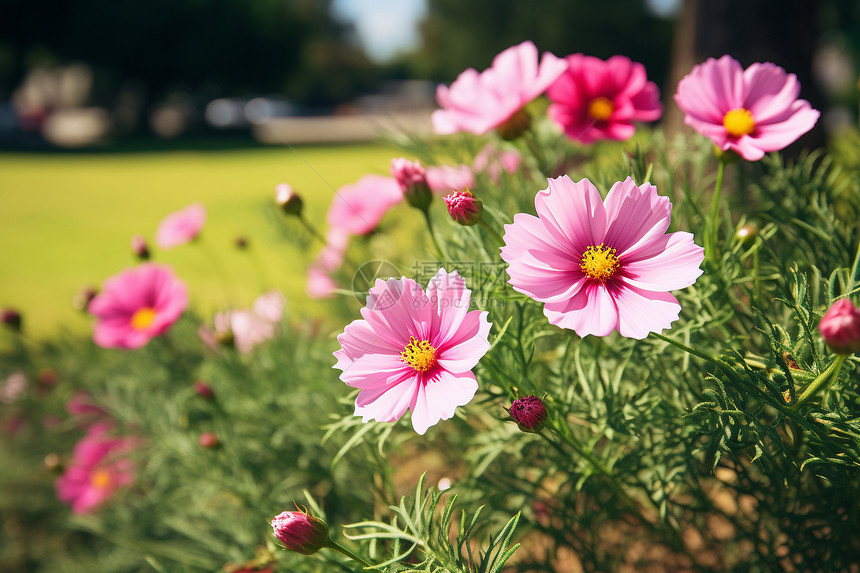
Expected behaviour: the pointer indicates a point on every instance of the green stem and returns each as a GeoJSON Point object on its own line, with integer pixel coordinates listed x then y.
{"type": "Point", "coordinates": [442, 254]}
{"type": "Point", "coordinates": [491, 231]}
{"type": "Point", "coordinates": [344, 551]}
{"type": "Point", "coordinates": [312, 230]}
{"type": "Point", "coordinates": [685, 348]}
{"type": "Point", "coordinates": [711, 253]}
{"type": "Point", "coordinates": [823, 379]}
{"type": "Point", "coordinates": [855, 271]}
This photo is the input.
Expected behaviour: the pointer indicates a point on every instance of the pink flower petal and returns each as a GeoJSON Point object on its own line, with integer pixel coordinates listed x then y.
{"type": "Point", "coordinates": [437, 399]}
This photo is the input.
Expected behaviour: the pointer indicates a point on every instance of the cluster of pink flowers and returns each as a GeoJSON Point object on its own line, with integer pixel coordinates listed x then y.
{"type": "Point", "coordinates": [750, 111]}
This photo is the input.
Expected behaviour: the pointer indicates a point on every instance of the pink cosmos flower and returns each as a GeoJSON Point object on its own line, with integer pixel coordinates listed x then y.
{"type": "Point", "coordinates": [478, 102]}
{"type": "Point", "coordinates": [596, 99]}
{"type": "Point", "coordinates": [97, 471]}
{"type": "Point", "coordinates": [408, 173]}
{"type": "Point", "coordinates": [442, 179]}
{"type": "Point", "coordinates": [601, 265]}
{"type": "Point", "coordinates": [414, 350]}
{"type": "Point", "coordinates": [181, 226]}
{"type": "Point", "coordinates": [248, 328]}
{"type": "Point", "coordinates": [749, 111]}
{"type": "Point", "coordinates": [494, 161]}
{"type": "Point", "coordinates": [359, 207]}
{"type": "Point", "coordinates": [138, 304]}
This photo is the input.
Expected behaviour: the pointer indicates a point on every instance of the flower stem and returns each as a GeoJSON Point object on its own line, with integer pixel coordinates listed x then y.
{"type": "Point", "coordinates": [491, 230]}
{"type": "Point", "coordinates": [711, 252]}
{"type": "Point", "coordinates": [823, 379]}
{"type": "Point", "coordinates": [312, 230]}
{"type": "Point", "coordinates": [442, 254]}
{"type": "Point", "coordinates": [685, 348]}
{"type": "Point", "coordinates": [344, 551]}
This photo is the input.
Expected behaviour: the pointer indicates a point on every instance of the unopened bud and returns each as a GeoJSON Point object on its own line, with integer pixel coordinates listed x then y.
{"type": "Point", "coordinates": [412, 178]}
{"type": "Point", "coordinates": [11, 318]}
{"type": "Point", "coordinates": [746, 233]}
{"type": "Point", "coordinates": [464, 207]}
{"type": "Point", "coordinates": [208, 440]}
{"type": "Point", "coordinates": [204, 390]}
{"type": "Point", "coordinates": [300, 532]}
{"type": "Point", "coordinates": [288, 200]}
{"type": "Point", "coordinates": [840, 327]}
{"type": "Point", "coordinates": [529, 413]}
{"type": "Point", "coordinates": [82, 300]}
{"type": "Point", "coordinates": [241, 243]}
{"type": "Point", "coordinates": [139, 247]}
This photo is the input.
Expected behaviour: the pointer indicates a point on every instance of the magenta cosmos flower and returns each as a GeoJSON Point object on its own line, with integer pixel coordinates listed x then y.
{"type": "Point", "coordinates": [98, 470]}
{"type": "Point", "coordinates": [181, 226]}
{"type": "Point", "coordinates": [596, 99]}
{"type": "Point", "coordinates": [358, 208]}
{"type": "Point", "coordinates": [749, 111]}
{"type": "Point", "coordinates": [478, 102]}
{"type": "Point", "coordinates": [138, 304]}
{"type": "Point", "coordinates": [414, 350]}
{"type": "Point", "coordinates": [601, 265]}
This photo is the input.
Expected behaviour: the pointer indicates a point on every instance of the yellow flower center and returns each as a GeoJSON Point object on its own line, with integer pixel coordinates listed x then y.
{"type": "Point", "coordinates": [600, 108]}
{"type": "Point", "coordinates": [419, 354]}
{"type": "Point", "coordinates": [739, 122]}
{"type": "Point", "coordinates": [100, 479]}
{"type": "Point", "coordinates": [143, 318]}
{"type": "Point", "coordinates": [599, 263]}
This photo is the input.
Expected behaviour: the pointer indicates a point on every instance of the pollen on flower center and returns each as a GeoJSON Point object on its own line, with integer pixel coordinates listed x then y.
{"type": "Point", "coordinates": [419, 354]}
{"type": "Point", "coordinates": [739, 122]}
{"type": "Point", "coordinates": [143, 318]}
{"type": "Point", "coordinates": [600, 108]}
{"type": "Point", "coordinates": [100, 479]}
{"type": "Point", "coordinates": [599, 262]}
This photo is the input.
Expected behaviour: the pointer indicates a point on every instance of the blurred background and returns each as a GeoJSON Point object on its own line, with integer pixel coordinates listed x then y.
{"type": "Point", "coordinates": [79, 73]}
{"type": "Point", "coordinates": [113, 114]}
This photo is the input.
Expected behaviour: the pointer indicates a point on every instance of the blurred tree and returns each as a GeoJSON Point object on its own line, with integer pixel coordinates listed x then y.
{"type": "Point", "coordinates": [457, 35]}
{"type": "Point", "coordinates": [223, 47]}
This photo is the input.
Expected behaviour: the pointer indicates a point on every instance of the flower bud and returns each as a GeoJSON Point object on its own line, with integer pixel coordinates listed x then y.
{"type": "Point", "coordinates": [82, 300]}
{"type": "Point", "coordinates": [11, 318]}
{"type": "Point", "coordinates": [208, 440]}
{"type": "Point", "coordinates": [288, 200]}
{"type": "Point", "coordinates": [464, 207]}
{"type": "Point", "coordinates": [203, 390]}
{"type": "Point", "coordinates": [529, 413]}
{"type": "Point", "coordinates": [241, 243]}
{"type": "Point", "coordinates": [840, 327]}
{"type": "Point", "coordinates": [139, 247]}
{"type": "Point", "coordinates": [412, 178]}
{"type": "Point", "coordinates": [300, 532]}
{"type": "Point", "coordinates": [746, 233]}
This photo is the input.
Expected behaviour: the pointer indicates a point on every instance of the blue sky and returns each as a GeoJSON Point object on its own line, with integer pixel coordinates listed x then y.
{"type": "Point", "coordinates": [383, 26]}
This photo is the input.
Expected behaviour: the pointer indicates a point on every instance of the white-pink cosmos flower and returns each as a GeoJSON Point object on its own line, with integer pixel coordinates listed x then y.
{"type": "Point", "coordinates": [181, 226]}
{"type": "Point", "coordinates": [414, 350]}
{"type": "Point", "coordinates": [750, 111]}
{"type": "Point", "coordinates": [478, 102]}
{"type": "Point", "coordinates": [601, 265]}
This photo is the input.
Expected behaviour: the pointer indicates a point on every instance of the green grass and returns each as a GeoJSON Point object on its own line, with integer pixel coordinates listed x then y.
{"type": "Point", "coordinates": [67, 219]}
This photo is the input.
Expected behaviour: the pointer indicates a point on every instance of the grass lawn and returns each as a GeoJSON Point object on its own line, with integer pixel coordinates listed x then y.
{"type": "Point", "coordinates": [67, 219]}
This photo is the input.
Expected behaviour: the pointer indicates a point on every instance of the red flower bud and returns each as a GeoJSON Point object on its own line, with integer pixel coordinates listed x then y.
{"type": "Point", "coordinates": [208, 440]}
{"type": "Point", "coordinates": [300, 532]}
{"type": "Point", "coordinates": [840, 327]}
{"type": "Point", "coordinates": [203, 390]}
{"type": "Point", "coordinates": [464, 207]}
{"type": "Point", "coordinates": [529, 413]}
